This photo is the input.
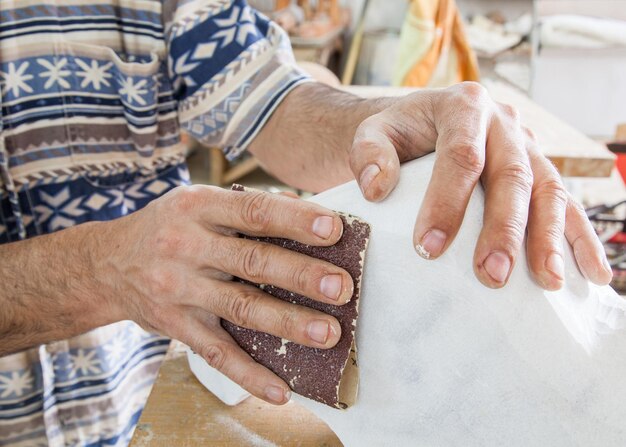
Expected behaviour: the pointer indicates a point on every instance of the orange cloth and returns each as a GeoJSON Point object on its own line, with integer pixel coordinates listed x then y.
{"type": "Point", "coordinates": [449, 37]}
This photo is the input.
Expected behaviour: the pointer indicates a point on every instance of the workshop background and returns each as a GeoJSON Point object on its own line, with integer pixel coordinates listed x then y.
{"type": "Point", "coordinates": [562, 63]}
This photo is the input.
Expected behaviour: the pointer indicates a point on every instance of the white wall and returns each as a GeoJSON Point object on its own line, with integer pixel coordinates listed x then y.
{"type": "Point", "coordinates": [585, 88]}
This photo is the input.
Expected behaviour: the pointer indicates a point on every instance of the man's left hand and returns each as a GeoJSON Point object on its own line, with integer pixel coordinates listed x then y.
{"type": "Point", "coordinates": [478, 139]}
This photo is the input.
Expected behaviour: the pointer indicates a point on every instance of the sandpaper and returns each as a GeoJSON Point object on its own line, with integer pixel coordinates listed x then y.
{"type": "Point", "coordinates": [329, 376]}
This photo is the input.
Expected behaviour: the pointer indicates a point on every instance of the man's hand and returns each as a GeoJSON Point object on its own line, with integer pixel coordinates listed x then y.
{"type": "Point", "coordinates": [169, 267]}
{"type": "Point", "coordinates": [172, 264]}
{"type": "Point", "coordinates": [478, 139]}
{"type": "Point", "coordinates": [320, 137]}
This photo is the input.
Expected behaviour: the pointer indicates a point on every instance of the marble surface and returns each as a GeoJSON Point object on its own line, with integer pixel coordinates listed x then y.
{"type": "Point", "coordinates": [445, 361]}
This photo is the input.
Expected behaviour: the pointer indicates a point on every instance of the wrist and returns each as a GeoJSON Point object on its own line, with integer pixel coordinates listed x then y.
{"type": "Point", "coordinates": [97, 246]}
{"type": "Point", "coordinates": [51, 289]}
{"type": "Point", "coordinates": [306, 142]}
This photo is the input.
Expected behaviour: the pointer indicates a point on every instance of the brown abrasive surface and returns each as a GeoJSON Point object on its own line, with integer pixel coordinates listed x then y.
{"type": "Point", "coordinates": [310, 372]}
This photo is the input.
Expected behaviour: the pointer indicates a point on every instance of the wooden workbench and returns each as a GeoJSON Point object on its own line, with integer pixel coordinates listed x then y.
{"type": "Point", "coordinates": [181, 412]}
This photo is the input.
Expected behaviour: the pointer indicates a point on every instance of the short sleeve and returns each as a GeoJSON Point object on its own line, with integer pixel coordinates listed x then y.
{"type": "Point", "coordinates": [230, 67]}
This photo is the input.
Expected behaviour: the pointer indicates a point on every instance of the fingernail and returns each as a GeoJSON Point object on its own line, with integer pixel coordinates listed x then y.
{"type": "Point", "coordinates": [277, 394]}
{"type": "Point", "coordinates": [497, 265]}
{"type": "Point", "coordinates": [318, 331]}
{"type": "Point", "coordinates": [367, 176]}
{"type": "Point", "coordinates": [330, 286]}
{"type": "Point", "coordinates": [432, 244]}
{"type": "Point", "coordinates": [323, 226]}
{"type": "Point", "coordinates": [554, 264]}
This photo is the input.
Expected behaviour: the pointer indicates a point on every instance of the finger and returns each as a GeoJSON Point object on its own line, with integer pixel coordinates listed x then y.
{"type": "Point", "coordinates": [374, 159]}
{"type": "Point", "coordinates": [508, 181]}
{"type": "Point", "coordinates": [205, 336]}
{"type": "Point", "coordinates": [269, 264]}
{"type": "Point", "coordinates": [460, 160]}
{"type": "Point", "coordinates": [289, 194]}
{"type": "Point", "coordinates": [588, 251]}
{"type": "Point", "coordinates": [250, 307]}
{"type": "Point", "coordinates": [546, 222]}
{"type": "Point", "coordinates": [259, 213]}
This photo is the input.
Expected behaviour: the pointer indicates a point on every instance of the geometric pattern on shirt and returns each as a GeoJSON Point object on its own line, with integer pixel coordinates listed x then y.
{"type": "Point", "coordinates": [207, 125]}
{"type": "Point", "coordinates": [225, 35]}
{"type": "Point", "coordinates": [57, 208]}
{"type": "Point", "coordinates": [65, 90]}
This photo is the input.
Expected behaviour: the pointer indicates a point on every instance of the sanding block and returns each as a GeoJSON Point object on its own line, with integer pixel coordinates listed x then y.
{"type": "Point", "coordinates": [329, 376]}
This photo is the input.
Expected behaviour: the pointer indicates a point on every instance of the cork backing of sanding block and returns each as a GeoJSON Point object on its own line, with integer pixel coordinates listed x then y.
{"type": "Point", "coordinates": [329, 376]}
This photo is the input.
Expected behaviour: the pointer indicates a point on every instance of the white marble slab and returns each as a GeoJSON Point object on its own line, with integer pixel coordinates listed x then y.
{"type": "Point", "coordinates": [445, 361]}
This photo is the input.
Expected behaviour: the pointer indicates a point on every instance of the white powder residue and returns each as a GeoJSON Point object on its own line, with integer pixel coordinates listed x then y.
{"type": "Point", "coordinates": [350, 219]}
{"type": "Point", "coordinates": [283, 347]}
{"type": "Point", "coordinates": [248, 436]}
{"type": "Point", "coordinates": [422, 251]}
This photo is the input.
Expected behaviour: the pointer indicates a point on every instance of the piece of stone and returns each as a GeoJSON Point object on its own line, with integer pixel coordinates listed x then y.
{"type": "Point", "coordinates": [446, 361]}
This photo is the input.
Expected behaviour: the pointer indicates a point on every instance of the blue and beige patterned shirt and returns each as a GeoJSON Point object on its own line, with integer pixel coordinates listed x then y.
{"type": "Point", "coordinates": [93, 96]}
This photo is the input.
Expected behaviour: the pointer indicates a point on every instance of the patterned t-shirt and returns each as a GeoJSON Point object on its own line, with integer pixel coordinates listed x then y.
{"type": "Point", "coordinates": [93, 96]}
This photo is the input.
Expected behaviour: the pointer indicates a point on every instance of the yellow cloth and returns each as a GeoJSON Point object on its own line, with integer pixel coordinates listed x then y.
{"type": "Point", "coordinates": [433, 49]}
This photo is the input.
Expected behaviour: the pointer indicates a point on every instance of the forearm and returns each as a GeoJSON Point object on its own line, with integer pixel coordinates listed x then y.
{"type": "Point", "coordinates": [47, 289]}
{"type": "Point", "coordinates": [307, 140]}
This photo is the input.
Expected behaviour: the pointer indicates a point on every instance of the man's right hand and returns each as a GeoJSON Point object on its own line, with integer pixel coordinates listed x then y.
{"type": "Point", "coordinates": [169, 267]}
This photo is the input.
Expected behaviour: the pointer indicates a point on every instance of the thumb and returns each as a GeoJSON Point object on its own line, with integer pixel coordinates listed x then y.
{"type": "Point", "coordinates": [374, 159]}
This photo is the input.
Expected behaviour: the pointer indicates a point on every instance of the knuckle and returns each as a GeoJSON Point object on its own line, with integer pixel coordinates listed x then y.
{"type": "Point", "coordinates": [530, 135]}
{"type": "Point", "coordinates": [510, 112]}
{"type": "Point", "coordinates": [512, 231]}
{"type": "Point", "coordinates": [256, 211]}
{"type": "Point", "coordinates": [552, 237]}
{"type": "Point", "coordinates": [242, 309]}
{"type": "Point", "coordinates": [468, 156]}
{"type": "Point", "coordinates": [302, 277]}
{"type": "Point", "coordinates": [553, 190]}
{"type": "Point", "coordinates": [254, 261]}
{"type": "Point", "coordinates": [473, 90]}
{"type": "Point", "coordinates": [364, 144]}
{"type": "Point", "coordinates": [518, 173]}
{"type": "Point", "coordinates": [186, 198]}
{"type": "Point", "coordinates": [365, 140]}
{"type": "Point", "coordinates": [249, 381]}
{"type": "Point", "coordinates": [575, 206]}
{"type": "Point", "coordinates": [288, 324]}
{"type": "Point", "coordinates": [215, 354]}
